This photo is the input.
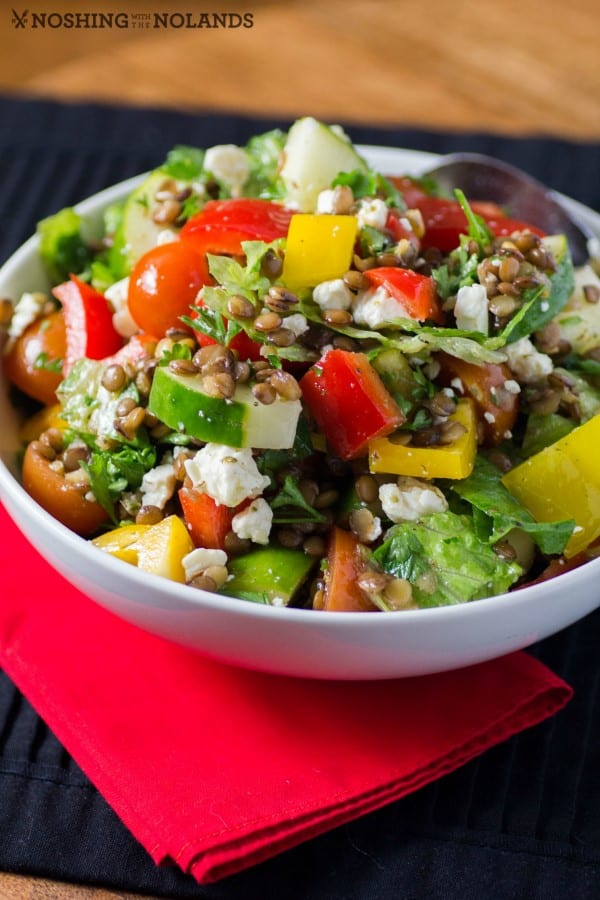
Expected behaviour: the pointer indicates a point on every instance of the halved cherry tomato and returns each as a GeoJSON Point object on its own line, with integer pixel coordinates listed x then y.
{"type": "Point", "coordinates": [63, 499]}
{"type": "Point", "coordinates": [223, 224]}
{"type": "Point", "coordinates": [416, 294]}
{"type": "Point", "coordinates": [34, 361]}
{"type": "Point", "coordinates": [164, 283]}
{"type": "Point", "coordinates": [496, 407]}
{"type": "Point", "coordinates": [88, 322]}
{"type": "Point", "coordinates": [344, 565]}
{"type": "Point", "coordinates": [349, 402]}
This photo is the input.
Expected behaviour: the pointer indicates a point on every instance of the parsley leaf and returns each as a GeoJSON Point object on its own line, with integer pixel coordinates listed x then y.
{"type": "Point", "coordinates": [43, 361]}
{"type": "Point", "coordinates": [184, 162]}
{"type": "Point", "coordinates": [289, 498]}
{"type": "Point", "coordinates": [370, 184]}
{"type": "Point", "coordinates": [477, 228]}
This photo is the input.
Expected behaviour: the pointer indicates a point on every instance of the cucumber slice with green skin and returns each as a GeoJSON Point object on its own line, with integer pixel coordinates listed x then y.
{"type": "Point", "coordinates": [314, 154]}
{"type": "Point", "coordinates": [137, 232]}
{"type": "Point", "coordinates": [270, 575]}
{"type": "Point", "coordinates": [180, 402]}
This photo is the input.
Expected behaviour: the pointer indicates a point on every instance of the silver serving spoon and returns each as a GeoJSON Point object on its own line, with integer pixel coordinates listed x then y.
{"type": "Point", "coordinates": [485, 178]}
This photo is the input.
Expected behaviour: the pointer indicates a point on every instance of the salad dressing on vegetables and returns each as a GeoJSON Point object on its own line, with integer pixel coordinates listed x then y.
{"type": "Point", "coordinates": [288, 378]}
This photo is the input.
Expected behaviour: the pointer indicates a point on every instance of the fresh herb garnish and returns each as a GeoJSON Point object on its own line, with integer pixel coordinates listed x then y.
{"type": "Point", "coordinates": [43, 361]}
{"type": "Point", "coordinates": [290, 498]}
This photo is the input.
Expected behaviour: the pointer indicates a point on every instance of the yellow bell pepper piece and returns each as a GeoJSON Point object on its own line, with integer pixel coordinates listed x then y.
{"type": "Point", "coordinates": [318, 248]}
{"type": "Point", "coordinates": [161, 548]}
{"type": "Point", "coordinates": [455, 460]}
{"type": "Point", "coordinates": [562, 481]}
{"type": "Point", "coordinates": [121, 542]}
{"type": "Point", "coordinates": [48, 417]}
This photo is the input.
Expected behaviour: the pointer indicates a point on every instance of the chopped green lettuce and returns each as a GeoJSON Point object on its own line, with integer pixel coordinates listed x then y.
{"type": "Point", "coordinates": [62, 247]}
{"type": "Point", "coordinates": [499, 512]}
{"type": "Point", "coordinates": [445, 561]}
{"type": "Point", "coordinates": [184, 163]}
{"type": "Point", "coordinates": [264, 154]}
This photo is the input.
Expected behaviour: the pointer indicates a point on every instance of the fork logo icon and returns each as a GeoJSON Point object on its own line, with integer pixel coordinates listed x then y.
{"type": "Point", "coordinates": [19, 20]}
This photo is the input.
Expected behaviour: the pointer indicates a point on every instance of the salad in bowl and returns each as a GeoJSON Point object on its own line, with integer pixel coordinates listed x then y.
{"type": "Point", "coordinates": [279, 375]}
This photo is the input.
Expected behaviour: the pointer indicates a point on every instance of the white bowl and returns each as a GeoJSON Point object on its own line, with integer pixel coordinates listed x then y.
{"type": "Point", "coordinates": [287, 641]}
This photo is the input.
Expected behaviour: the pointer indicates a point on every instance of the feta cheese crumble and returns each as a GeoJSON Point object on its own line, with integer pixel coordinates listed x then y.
{"type": "Point", "coordinates": [123, 322]}
{"type": "Point", "coordinates": [527, 363]}
{"type": "Point", "coordinates": [227, 474]}
{"type": "Point", "coordinates": [375, 308]}
{"type": "Point", "coordinates": [471, 308]}
{"type": "Point", "coordinates": [27, 310]}
{"type": "Point", "coordinates": [254, 522]}
{"type": "Point", "coordinates": [410, 499]}
{"type": "Point", "coordinates": [372, 213]}
{"type": "Point", "coordinates": [158, 485]}
{"type": "Point", "coordinates": [296, 323]}
{"type": "Point", "coordinates": [196, 561]}
{"type": "Point", "coordinates": [333, 294]}
{"type": "Point", "coordinates": [229, 164]}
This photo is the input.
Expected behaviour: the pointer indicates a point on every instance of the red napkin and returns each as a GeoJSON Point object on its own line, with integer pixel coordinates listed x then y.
{"type": "Point", "coordinates": [215, 768]}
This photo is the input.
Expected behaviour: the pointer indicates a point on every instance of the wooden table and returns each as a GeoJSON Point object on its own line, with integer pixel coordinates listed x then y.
{"type": "Point", "coordinates": [517, 67]}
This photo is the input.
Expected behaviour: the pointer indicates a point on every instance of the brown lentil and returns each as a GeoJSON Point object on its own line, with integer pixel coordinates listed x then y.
{"type": "Point", "coordinates": [400, 438]}
{"type": "Point", "coordinates": [309, 490]}
{"type": "Point", "coordinates": [220, 385]}
{"type": "Point", "coordinates": [314, 546]}
{"type": "Point", "coordinates": [366, 489]}
{"type": "Point", "coordinates": [54, 438]}
{"type": "Point", "coordinates": [234, 545]}
{"type": "Point", "coordinates": [451, 432]}
{"type": "Point", "coordinates": [354, 280]}
{"type": "Point", "coordinates": [505, 550]}
{"type": "Point", "coordinates": [160, 431]}
{"type": "Point", "coordinates": [398, 593]}
{"type": "Point", "coordinates": [264, 393]}
{"type": "Point", "coordinates": [203, 583]}
{"type": "Point", "coordinates": [342, 342]}
{"type": "Point", "coordinates": [318, 600]}
{"type": "Point", "coordinates": [114, 378]}
{"type": "Point", "coordinates": [143, 382]}
{"type": "Point", "coordinates": [279, 299]}
{"type": "Point", "coordinates": [441, 404]}
{"type": "Point", "coordinates": [362, 522]}
{"type": "Point", "coordinates": [591, 292]}
{"type": "Point", "coordinates": [150, 420]}
{"type": "Point", "coordinates": [149, 515]}
{"type": "Point", "coordinates": [72, 456]}
{"type": "Point", "coordinates": [132, 421]}
{"type": "Point", "coordinates": [342, 200]}
{"type": "Point", "coordinates": [165, 345]}
{"type": "Point", "coordinates": [526, 241]}
{"type": "Point", "coordinates": [337, 316]}
{"type": "Point", "coordinates": [388, 259]}
{"type": "Point", "coordinates": [373, 582]}
{"type": "Point", "coordinates": [268, 321]}
{"type": "Point", "coordinates": [43, 449]}
{"type": "Point", "coordinates": [289, 537]}
{"type": "Point", "coordinates": [362, 264]}
{"type": "Point", "coordinates": [281, 337]}
{"type": "Point", "coordinates": [426, 437]}
{"type": "Point", "coordinates": [240, 307]}
{"type": "Point", "coordinates": [271, 264]}
{"type": "Point", "coordinates": [241, 371]}
{"type": "Point", "coordinates": [326, 498]}
{"type": "Point", "coordinates": [508, 268]}
{"type": "Point", "coordinates": [167, 212]}
{"type": "Point", "coordinates": [503, 305]}
{"type": "Point", "coordinates": [218, 574]}
{"type": "Point", "coordinates": [182, 367]}
{"type": "Point", "coordinates": [285, 384]}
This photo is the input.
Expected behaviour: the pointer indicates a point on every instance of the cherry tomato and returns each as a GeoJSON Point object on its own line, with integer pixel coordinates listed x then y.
{"type": "Point", "coordinates": [63, 499]}
{"type": "Point", "coordinates": [163, 285]}
{"type": "Point", "coordinates": [34, 362]}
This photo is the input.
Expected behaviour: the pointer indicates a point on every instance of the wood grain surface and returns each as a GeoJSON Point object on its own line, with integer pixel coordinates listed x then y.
{"type": "Point", "coordinates": [516, 67]}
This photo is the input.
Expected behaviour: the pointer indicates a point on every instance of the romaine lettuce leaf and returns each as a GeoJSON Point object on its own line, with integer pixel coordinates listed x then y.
{"type": "Point", "coordinates": [62, 247]}
{"type": "Point", "coordinates": [445, 561]}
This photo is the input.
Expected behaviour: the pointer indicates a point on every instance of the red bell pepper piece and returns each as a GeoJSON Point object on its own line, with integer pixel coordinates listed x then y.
{"type": "Point", "coordinates": [349, 402]}
{"type": "Point", "coordinates": [445, 221]}
{"type": "Point", "coordinates": [135, 348]}
{"type": "Point", "coordinates": [223, 224]}
{"type": "Point", "coordinates": [399, 231]}
{"type": "Point", "coordinates": [416, 294]}
{"type": "Point", "coordinates": [207, 521]}
{"type": "Point", "coordinates": [344, 564]}
{"type": "Point", "coordinates": [88, 322]}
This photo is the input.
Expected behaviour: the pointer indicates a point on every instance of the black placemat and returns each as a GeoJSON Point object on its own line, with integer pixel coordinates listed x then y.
{"type": "Point", "coordinates": [523, 820]}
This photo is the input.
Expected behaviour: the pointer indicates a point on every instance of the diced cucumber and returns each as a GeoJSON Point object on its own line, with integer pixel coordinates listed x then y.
{"type": "Point", "coordinates": [314, 154]}
{"type": "Point", "coordinates": [270, 575]}
{"type": "Point", "coordinates": [137, 232]}
{"type": "Point", "coordinates": [180, 402]}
